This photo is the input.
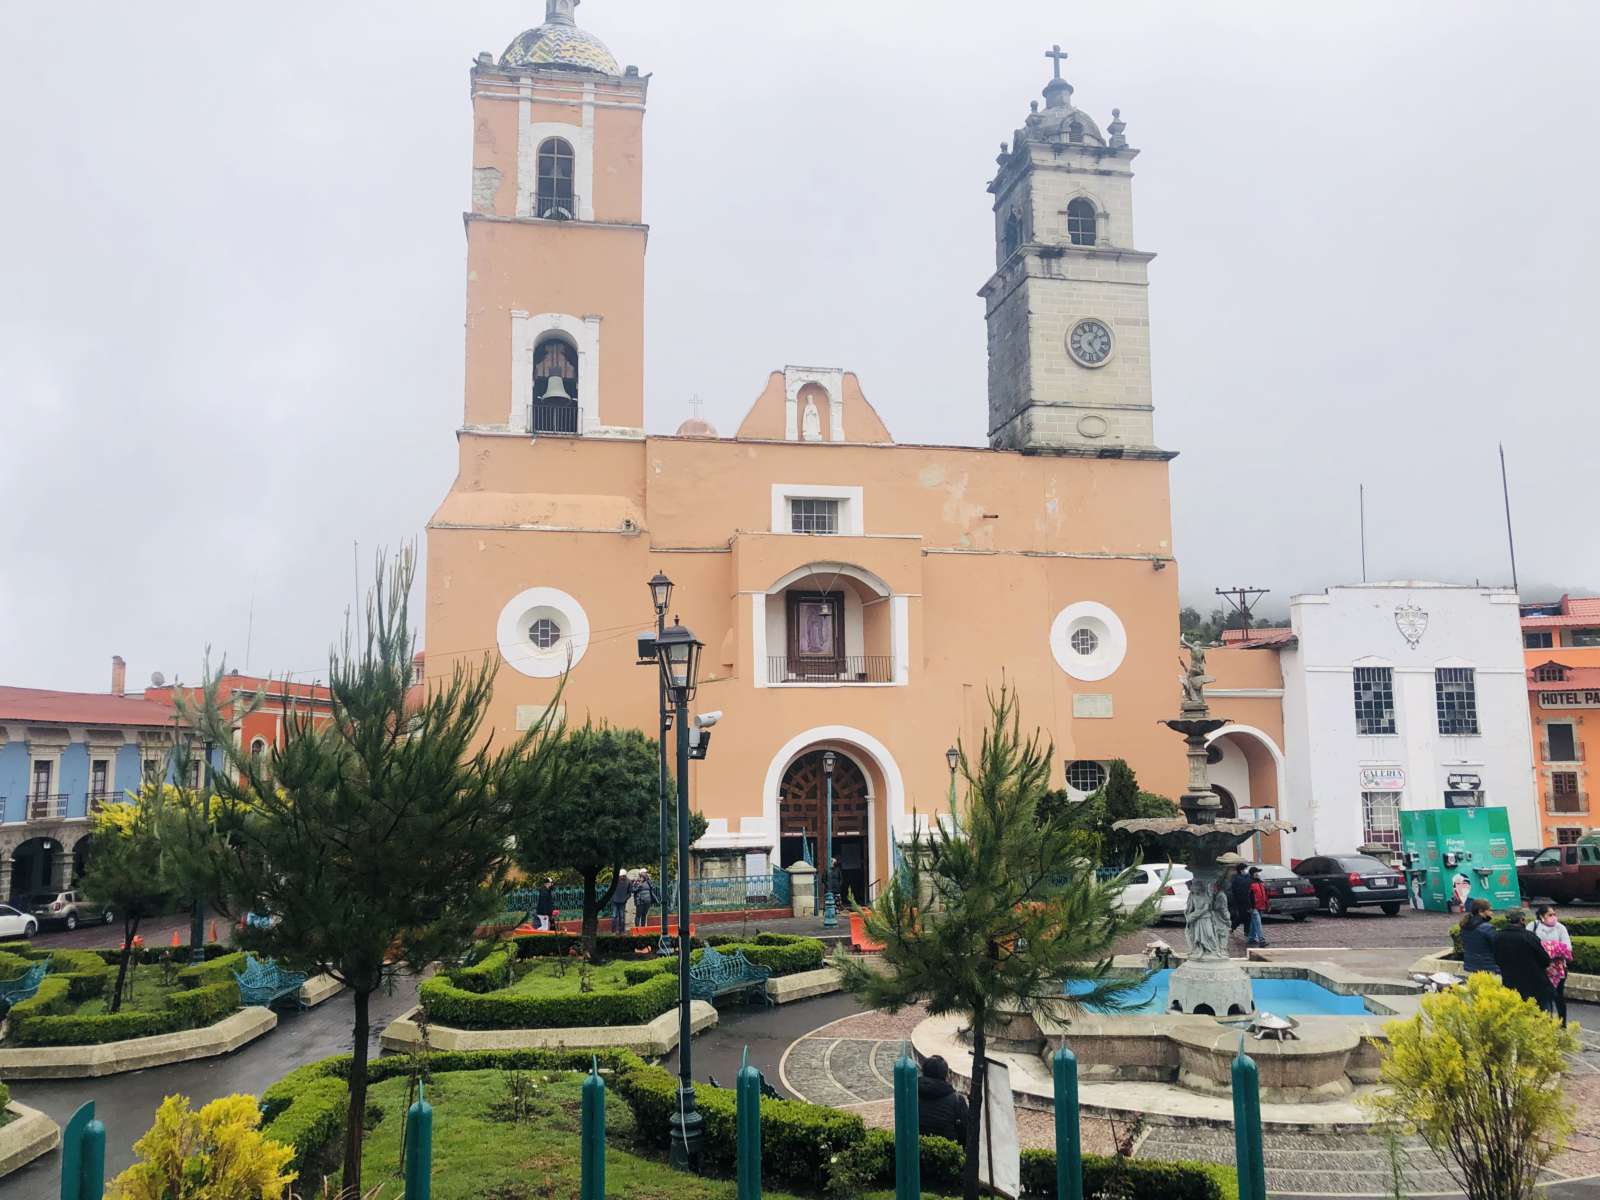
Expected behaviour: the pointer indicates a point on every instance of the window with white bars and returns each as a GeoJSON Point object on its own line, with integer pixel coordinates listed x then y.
{"type": "Point", "coordinates": [1537, 639]}
{"type": "Point", "coordinates": [1456, 697]}
{"type": "Point", "coordinates": [813, 516]}
{"type": "Point", "coordinates": [1549, 673]}
{"type": "Point", "coordinates": [1380, 813]}
{"type": "Point", "coordinates": [1085, 775]}
{"type": "Point", "coordinates": [1566, 835]}
{"type": "Point", "coordinates": [1374, 701]}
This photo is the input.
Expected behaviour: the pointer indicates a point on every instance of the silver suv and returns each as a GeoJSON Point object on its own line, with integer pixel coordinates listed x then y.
{"type": "Point", "coordinates": [69, 909]}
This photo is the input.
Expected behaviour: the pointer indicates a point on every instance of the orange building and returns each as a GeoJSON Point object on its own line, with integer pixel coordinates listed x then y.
{"type": "Point", "coordinates": [853, 594]}
{"type": "Point", "coordinates": [1561, 642]}
{"type": "Point", "coordinates": [262, 729]}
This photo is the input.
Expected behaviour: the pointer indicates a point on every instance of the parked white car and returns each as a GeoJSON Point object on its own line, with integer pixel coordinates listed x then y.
{"type": "Point", "coordinates": [1170, 879]}
{"type": "Point", "coordinates": [16, 924]}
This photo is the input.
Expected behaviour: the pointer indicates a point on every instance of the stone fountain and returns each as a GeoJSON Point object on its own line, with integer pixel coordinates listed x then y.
{"type": "Point", "coordinates": [1209, 982]}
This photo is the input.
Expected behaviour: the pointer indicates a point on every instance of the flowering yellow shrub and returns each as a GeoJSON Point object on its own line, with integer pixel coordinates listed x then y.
{"type": "Point", "coordinates": [1477, 1073]}
{"type": "Point", "coordinates": [217, 1153]}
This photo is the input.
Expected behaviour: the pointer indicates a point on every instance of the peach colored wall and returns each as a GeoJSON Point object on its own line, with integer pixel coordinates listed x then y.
{"type": "Point", "coordinates": [1258, 670]}
{"type": "Point", "coordinates": [973, 617]}
{"type": "Point", "coordinates": [1586, 731]}
{"type": "Point", "coordinates": [494, 145]}
{"type": "Point", "coordinates": [619, 165]}
{"type": "Point", "coordinates": [861, 421]}
{"type": "Point", "coordinates": [566, 267]}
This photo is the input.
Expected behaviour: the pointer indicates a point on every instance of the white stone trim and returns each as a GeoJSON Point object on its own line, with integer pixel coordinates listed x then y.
{"type": "Point", "coordinates": [900, 631]}
{"type": "Point", "coordinates": [758, 638]}
{"type": "Point", "coordinates": [1244, 693]}
{"type": "Point", "coordinates": [526, 332]}
{"type": "Point", "coordinates": [853, 518]}
{"type": "Point", "coordinates": [1107, 628]}
{"type": "Point", "coordinates": [520, 654]}
{"type": "Point", "coordinates": [850, 740]}
{"type": "Point", "coordinates": [531, 134]}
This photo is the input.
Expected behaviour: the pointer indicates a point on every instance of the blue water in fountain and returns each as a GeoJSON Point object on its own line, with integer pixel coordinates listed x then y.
{"type": "Point", "coordinates": [1285, 997]}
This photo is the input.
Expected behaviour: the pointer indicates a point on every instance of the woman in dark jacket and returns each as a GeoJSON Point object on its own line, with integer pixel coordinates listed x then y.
{"type": "Point", "coordinates": [941, 1110]}
{"type": "Point", "coordinates": [1477, 939]}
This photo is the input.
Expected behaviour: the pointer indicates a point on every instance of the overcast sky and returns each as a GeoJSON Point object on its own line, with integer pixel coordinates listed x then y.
{"type": "Point", "coordinates": [232, 255]}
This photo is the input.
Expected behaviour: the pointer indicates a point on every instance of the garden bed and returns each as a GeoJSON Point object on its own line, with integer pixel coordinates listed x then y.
{"type": "Point", "coordinates": [507, 1125]}
{"type": "Point", "coordinates": [529, 982]}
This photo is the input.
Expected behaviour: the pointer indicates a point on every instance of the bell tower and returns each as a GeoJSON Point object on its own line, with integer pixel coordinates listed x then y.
{"type": "Point", "coordinates": [1069, 328]}
{"type": "Point", "coordinates": [556, 237]}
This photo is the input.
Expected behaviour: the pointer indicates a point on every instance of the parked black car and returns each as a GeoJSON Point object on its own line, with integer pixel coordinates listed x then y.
{"type": "Point", "coordinates": [1288, 895]}
{"type": "Point", "coordinates": [1346, 881]}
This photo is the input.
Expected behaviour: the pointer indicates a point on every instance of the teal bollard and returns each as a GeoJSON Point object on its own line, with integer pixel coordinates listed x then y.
{"type": "Point", "coordinates": [83, 1156]}
{"type": "Point", "coordinates": [1247, 1127]}
{"type": "Point", "coordinates": [593, 1161]}
{"type": "Point", "coordinates": [419, 1147]}
{"type": "Point", "coordinates": [747, 1122]}
{"type": "Point", "coordinates": [1069, 1133]}
{"type": "Point", "coordinates": [907, 1131]}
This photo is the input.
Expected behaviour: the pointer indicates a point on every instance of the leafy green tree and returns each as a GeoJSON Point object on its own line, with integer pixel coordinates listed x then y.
{"type": "Point", "coordinates": [1090, 819]}
{"type": "Point", "coordinates": [1477, 1073]}
{"type": "Point", "coordinates": [993, 911]}
{"type": "Point", "coordinates": [602, 818]}
{"type": "Point", "coordinates": [381, 837]}
{"type": "Point", "coordinates": [129, 868]}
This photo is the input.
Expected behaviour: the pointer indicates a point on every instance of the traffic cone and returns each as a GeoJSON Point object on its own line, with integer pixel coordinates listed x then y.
{"type": "Point", "coordinates": [213, 929]}
{"type": "Point", "coordinates": [175, 942]}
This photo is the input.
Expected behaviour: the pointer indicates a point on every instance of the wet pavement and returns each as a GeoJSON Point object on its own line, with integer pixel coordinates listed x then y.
{"type": "Point", "coordinates": [127, 1103]}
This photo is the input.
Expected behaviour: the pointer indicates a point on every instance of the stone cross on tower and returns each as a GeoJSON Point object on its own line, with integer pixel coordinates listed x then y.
{"type": "Point", "coordinates": [1057, 53]}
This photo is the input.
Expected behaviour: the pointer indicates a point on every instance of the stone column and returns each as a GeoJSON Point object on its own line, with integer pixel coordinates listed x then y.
{"type": "Point", "coordinates": [803, 888]}
{"type": "Point", "coordinates": [61, 867]}
{"type": "Point", "coordinates": [5, 873]}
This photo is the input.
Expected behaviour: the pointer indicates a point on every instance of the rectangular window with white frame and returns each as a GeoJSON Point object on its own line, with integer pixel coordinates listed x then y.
{"type": "Point", "coordinates": [1380, 813]}
{"type": "Point", "coordinates": [1567, 835]}
{"type": "Point", "coordinates": [1456, 697]}
{"type": "Point", "coordinates": [826, 509]}
{"type": "Point", "coordinates": [1374, 691]}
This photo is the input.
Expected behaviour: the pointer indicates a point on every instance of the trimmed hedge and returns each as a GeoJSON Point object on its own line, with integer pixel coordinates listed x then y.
{"type": "Point", "coordinates": [13, 965]}
{"type": "Point", "coordinates": [1147, 1177]}
{"type": "Point", "coordinates": [1585, 955]}
{"type": "Point", "coordinates": [488, 974]}
{"type": "Point", "coordinates": [212, 971]}
{"type": "Point", "coordinates": [5, 1097]}
{"type": "Point", "coordinates": [606, 945]}
{"type": "Point", "coordinates": [306, 1110]}
{"type": "Point", "coordinates": [783, 954]}
{"type": "Point", "coordinates": [448, 1004]}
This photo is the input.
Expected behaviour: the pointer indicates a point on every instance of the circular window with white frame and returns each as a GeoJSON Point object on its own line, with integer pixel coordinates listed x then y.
{"type": "Point", "coordinates": [1085, 777]}
{"type": "Point", "coordinates": [1088, 640]}
{"type": "Point", "coordinates": [541, 632]}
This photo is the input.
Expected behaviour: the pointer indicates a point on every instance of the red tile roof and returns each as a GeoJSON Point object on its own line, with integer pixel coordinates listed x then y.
{"type": "Point", "coordinates": [1575, 610]}
{"type": "Point", "coordinates": [1258, 638]}
{"type": "Point", "coordinates": [1583, 678]}
{"type": "Point", "coordinates": [80, 708]}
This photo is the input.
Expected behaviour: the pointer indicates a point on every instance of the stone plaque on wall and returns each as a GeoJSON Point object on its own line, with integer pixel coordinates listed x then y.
{"type": "Point", "coordinates": [529, 714]}
{"type": "Point", "coordinates": [1091, 704]}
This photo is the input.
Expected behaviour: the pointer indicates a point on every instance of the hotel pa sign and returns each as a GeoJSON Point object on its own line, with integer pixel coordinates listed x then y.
{"type": "Point", "coordinates": [1570, 698]}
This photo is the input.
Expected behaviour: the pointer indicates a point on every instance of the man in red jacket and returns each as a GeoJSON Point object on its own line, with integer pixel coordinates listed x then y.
{"type": "Point", "coordinates": [1258, 905]}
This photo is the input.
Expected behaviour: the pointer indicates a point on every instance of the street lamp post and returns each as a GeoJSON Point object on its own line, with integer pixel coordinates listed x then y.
{"type": "Point", "coordinates": [197, 927]}
{"type": "Point", "coordinates": [830, 905]}
{"type": "Point", "coordinates": [679, 655]}
{"type": "Point", "coordinates": [661, 597]}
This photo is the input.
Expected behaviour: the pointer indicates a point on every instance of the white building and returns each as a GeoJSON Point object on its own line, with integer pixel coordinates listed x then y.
{"type": "Point", "coordinates": [1393, 695]}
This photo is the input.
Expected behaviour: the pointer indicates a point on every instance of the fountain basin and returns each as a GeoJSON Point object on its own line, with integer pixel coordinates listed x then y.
{"type": "Point", "coordinates": [1288, 997]}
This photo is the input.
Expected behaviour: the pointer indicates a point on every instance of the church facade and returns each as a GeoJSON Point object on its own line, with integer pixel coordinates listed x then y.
{"type": "Point", "coordinates": [853, 594]}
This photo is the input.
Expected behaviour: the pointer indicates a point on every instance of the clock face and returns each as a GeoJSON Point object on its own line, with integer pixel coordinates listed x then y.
{"type": "Point", "coordinates": [1090, 343]}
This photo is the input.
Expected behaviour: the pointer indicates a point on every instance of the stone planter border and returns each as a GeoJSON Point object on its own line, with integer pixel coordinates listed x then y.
{"type": "Point", "coordinates": [135, 1054]}
{"type": "Point", "coordinates": [319, 988]}
{"type": "Point", "coordinates": [786, 989]}
{"type": "Point", "coordinates": [27, 1136]}
{"type": "Point", "coordinates": [653, 1039]}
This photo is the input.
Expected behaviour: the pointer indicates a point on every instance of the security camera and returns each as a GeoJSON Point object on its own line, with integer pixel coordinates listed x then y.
{"type": "Point", "coordinates": [699, 743]}
{"type": "Point", "coordinates": [707, 720]}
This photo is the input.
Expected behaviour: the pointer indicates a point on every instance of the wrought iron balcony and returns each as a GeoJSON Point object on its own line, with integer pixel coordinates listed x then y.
{"type": "Point", "coordinates": [1566, 804]}
{"type": "Point", "coordinates": [552, 418]}
{"type": "Point", "coordinates": [1577, 755]}
{"type": "Point", "coordinates": [854, 668]}
{"type": "Point", "coordinates": [45, 806]}
{"type": "Point", "coordinates": [98, 800]}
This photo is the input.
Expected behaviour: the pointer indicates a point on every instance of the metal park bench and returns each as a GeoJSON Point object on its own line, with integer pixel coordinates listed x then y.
{"type": "Point", "coordinates": [718, 974]}
{"type": "Point", "coordinates": [24, 986]}
{"type": "Point", "coordinates": [265, 983]}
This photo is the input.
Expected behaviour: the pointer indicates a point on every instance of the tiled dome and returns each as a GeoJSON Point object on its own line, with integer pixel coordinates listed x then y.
{"type": "Point", "coordinates": [560, 43]}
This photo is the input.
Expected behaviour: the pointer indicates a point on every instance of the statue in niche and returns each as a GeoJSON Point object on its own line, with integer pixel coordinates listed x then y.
{"type": "Point", "coordinates": [811, 422]}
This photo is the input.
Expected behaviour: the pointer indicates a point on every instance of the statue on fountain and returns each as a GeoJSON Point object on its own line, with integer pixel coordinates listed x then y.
{"type": "Point", "coordinates": [1195, 677]}
{"type": "Point", "coordinates": [1206, 922]}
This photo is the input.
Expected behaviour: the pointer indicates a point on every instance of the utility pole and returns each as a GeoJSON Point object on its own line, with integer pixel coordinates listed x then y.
{"type": "Point", "coordinates": [1242, 600]}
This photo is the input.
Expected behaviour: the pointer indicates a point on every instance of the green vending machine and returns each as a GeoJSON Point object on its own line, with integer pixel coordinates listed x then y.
{"type": "Point", "coordinates": [1454, 855]}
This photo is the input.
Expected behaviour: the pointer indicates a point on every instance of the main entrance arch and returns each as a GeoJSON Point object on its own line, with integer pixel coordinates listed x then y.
{"type": "Point", "coordinates": [803, 816]}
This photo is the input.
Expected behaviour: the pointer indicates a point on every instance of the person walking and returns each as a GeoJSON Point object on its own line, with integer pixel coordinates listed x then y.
{"type": "Point", "coordinates": [1477, 939]}
{"type": "Point", "coordinates": [1259, 904]}
{"type": "Point", "coordinates": [1547, 927]}
{"type": "Point", "coordinates": [1524, 965]}
{"type": "Point", "coordinates": [941, 1110]}
{"type": "Point", "coordinates": [1239, 905]}
{"type": "Point", "coordinates": [619, 903]}
{"type": "Point", "coordinates": [545, 906]}
{"type": "Point", "coordinates": [644, 895]}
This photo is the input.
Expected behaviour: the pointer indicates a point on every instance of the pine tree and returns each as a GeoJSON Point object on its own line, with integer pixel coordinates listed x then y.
{"type": "Point", "coordinates": [994, 909]}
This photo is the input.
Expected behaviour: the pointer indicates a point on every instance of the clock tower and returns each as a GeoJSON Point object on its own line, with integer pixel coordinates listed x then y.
{"type": "Point", "coordinates": [1069, 327]}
